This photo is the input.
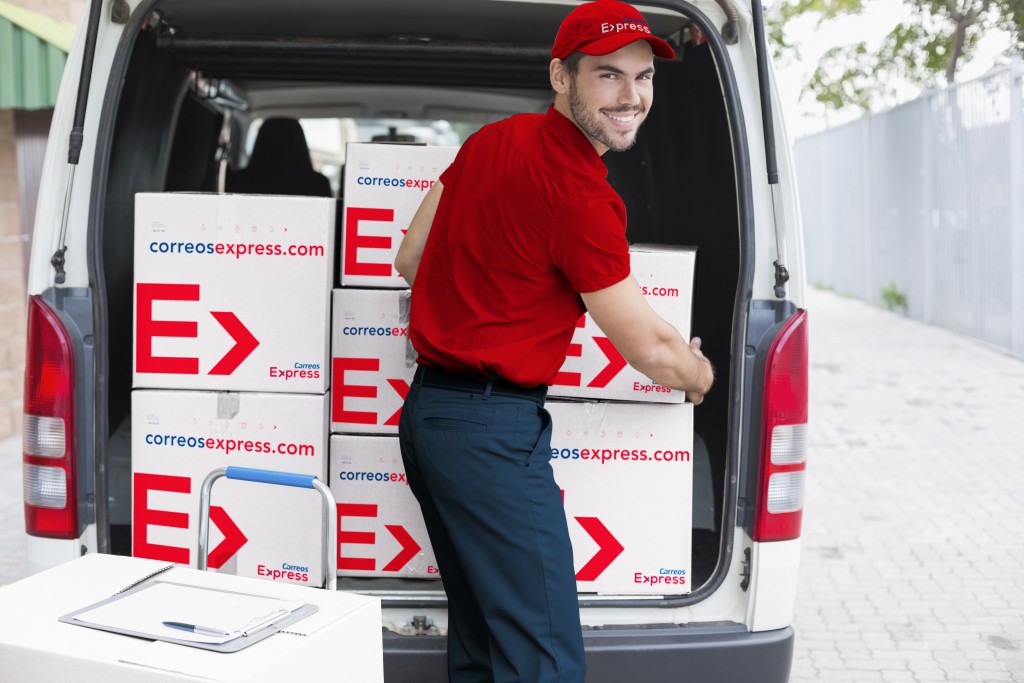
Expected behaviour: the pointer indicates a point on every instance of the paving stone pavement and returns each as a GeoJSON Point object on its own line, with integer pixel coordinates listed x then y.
{"type": "Point", "coordinates": [913, 561]}
{"type": "Point", "coordinates": [913, 546]}
{"type": "Point", "coordinates": [12, 512]}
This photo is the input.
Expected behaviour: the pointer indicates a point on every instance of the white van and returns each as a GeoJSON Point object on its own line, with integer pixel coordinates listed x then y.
{"type": "Point", "coordinates": [173, 90]}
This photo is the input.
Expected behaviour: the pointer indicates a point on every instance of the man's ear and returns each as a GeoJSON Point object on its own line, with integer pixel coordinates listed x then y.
{"type": "Point", "coordinates": [559, 76]}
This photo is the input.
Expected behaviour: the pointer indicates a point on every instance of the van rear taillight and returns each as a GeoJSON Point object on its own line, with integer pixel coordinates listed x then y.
{"type": "Point", "coordinates": [48, 430]}
{"type": "Point", "coordinates": [784, 435]}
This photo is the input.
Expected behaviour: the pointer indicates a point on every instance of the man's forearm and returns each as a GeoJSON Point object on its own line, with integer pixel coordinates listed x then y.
{"type": "Point", "coordinates": [671, 362]}
{"type": "Point", "coordinates": [407, 261]}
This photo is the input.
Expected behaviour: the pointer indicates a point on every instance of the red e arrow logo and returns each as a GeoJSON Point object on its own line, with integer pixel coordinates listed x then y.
{"type": "Point", "coordinates": [409, 548]}
{"type": "Point", "coordinates": [615, 362]}
{"type": "Point", "coordinates": [144, 517]}
{"type": "Point", "coordinates": [341, 389]}
{"type": "Point", "coordinates": [147, 328]}
{"type": "Point", "coordinates": [354, 241]}
{"type": "Point", "coordinates": [233, 541]}
{"type": "Point", "coordinates": [609, 548]}
{"type": "Point", "coordinates": [245, 343]}
{"type": "Point", "coordinates": [409, 545]}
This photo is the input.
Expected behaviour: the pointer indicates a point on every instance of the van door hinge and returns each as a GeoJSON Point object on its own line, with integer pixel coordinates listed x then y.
{"type": "Point", "coordinates": [745, 572]}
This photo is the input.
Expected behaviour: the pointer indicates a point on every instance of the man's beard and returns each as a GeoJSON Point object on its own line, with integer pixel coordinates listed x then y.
{"type": "Point", "coordinates": [590, 122]}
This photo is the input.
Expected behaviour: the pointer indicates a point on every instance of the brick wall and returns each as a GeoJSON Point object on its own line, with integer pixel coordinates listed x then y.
{"type": "Point", "coordinates": [12, 283]}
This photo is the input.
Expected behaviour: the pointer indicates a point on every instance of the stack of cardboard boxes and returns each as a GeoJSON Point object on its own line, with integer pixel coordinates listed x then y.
{"type": "Point", "coordinates": [232, 296]}
{"type": "Point", "coordinates": [234, 310]}
{"type": "Point", "coordinates": [622, 455]}
{"type": "Point", "coordinates": [380, 529]}
{"type": "Point", "coordinates": [622, 448]}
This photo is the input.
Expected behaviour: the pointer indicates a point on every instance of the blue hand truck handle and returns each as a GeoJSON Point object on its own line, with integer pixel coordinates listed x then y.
{"type": "Point", "coordinates": [302, 481]}
{"type": "Point", "coordinates": [305, 481]}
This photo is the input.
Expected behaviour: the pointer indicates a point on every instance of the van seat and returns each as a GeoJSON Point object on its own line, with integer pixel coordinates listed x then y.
{"type": "Point", "coordinates": [279, 164]}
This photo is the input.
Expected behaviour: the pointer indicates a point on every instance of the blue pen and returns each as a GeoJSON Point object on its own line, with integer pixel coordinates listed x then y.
{"type": "Point", "coordinates": [201, 630]}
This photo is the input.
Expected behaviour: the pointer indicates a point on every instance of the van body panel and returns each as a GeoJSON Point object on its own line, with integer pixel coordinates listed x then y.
{"type": "Point", "coordinates": [773, 585]}
{"type": "Point", "coordinates": [45, 553]}
{"type": "Point", "coordinates": [46, 231]}
{"type": "Point", "coordinates": [53, 186]}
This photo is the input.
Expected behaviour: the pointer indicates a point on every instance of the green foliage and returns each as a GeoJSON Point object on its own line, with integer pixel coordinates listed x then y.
{"type": "Point", "coordinates": [843, 78]}
{"type": "Point", "coordinates": [893, 298]}
{"type": "Point", "coordinates": [923, 51]}
{"type": "Point", "coordinates": [1012, 21]}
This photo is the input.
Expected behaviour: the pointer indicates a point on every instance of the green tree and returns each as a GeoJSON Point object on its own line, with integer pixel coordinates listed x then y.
{"type": "Point", "coordinates": [937, 37]}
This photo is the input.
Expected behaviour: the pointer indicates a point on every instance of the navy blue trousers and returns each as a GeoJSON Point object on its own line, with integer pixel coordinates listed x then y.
{"type": "Point", "coordinates": [480, 467]}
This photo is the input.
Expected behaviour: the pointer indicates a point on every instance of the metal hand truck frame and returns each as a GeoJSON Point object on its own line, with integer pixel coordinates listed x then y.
{"type": "Point", "coordinates": [305, 481]}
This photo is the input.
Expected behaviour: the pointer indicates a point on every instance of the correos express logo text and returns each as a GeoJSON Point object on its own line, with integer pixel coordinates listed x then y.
{"type": "Point", "coordinates": [376, 477]}
{"type": "Point", "coordinates": [370, 331]}
{"type": "Point", "coordinates": [664, 577]}
{"type": "Point", "coordinates": [606, 455]}
{"type": "Point", "coordinates": [288, 572]}
{"type": "Point", "coordinates": [297, 371]}
{"type": "Point", "coordinates": [422, 184]}
{"type": "Point", "coordinates": [628, 24]}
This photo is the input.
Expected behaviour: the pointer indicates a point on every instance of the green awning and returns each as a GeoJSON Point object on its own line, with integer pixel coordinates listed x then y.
{"type": "Point", "coordinates": [33, 49]}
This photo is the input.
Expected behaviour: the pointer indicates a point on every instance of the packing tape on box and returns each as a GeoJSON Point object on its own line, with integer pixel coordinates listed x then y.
{"type": "Point", "coordinates": [404, 304]}
{"type": "Point", "coordinates": [228, 405]}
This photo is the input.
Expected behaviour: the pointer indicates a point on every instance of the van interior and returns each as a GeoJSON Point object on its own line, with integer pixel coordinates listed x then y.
{"type": "Point", "coordinates": [204, 83]}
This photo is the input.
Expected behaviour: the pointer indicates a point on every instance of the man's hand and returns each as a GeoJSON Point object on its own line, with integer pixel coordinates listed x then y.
{"type": "Point", "coordinates": [696, 397]}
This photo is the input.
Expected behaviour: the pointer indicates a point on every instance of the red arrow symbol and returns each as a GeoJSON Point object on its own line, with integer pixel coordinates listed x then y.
{"type": "Point", "coordinates": [615, 363]}
{"type": "Point", "coordinates": [610, 548]}
{"type": "Point", "coordinates": [233, 541]}
{"type": "Point", "coordinates": [408, 551]}
{"type": "Point", "coordinates": [245, 343]}
{"type": "Point", "coordinates": [401, 387]}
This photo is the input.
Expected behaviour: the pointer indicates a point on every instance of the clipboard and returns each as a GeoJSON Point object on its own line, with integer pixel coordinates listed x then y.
{"type": "Point", "coordinates": [149, 626]}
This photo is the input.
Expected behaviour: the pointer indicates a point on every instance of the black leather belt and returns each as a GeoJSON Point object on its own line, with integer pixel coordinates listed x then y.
{"type": "Point", "coordinates": [440, 379]}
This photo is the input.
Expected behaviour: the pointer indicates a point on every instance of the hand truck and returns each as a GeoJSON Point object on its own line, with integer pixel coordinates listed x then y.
{"type": "Point", "coordinates": [306, 481]}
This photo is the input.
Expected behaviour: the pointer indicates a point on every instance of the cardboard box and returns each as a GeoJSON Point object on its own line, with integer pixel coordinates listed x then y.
{"type": "Point", "coordinates": [384, 185]}
{"type": "Point", "coordinates": [594, 369]}
{"type": "Point", "coordinates": [626, 471]}
{"type": "Point", "coordinates": [35, 646]}
{"type": "Point", "coordinates": [232, 292]}
{"type": "Point", "coordinates": [380, 528]}
{"type": "Point", "coordinates": [372, 360]}
{"type": "Point", "coordinates": [257, 530]}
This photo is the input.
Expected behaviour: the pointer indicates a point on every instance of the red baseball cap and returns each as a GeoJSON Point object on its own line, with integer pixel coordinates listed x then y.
{"type": "Point", "coordinates": [603, 26]}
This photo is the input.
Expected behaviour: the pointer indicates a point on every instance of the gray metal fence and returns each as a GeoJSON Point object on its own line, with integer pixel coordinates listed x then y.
{"type": "Point", "coordinates": [926, 201]}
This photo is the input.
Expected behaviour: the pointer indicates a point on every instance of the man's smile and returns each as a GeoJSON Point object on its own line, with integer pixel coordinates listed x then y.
{"type": "Point", "coordinates": [623, 118]}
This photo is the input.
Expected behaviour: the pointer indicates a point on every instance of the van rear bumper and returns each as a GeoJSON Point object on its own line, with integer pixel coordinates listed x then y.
{"type": "Point", "coordinates": [721, 653]}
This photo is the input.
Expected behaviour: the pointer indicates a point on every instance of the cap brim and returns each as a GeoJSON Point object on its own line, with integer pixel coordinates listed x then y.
{"type": "Point", "coordinates": [611, 43]}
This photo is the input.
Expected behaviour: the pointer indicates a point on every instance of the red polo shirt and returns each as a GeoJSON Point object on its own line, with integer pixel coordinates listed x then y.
{"type": "Point", "coordinates": [526, 222]}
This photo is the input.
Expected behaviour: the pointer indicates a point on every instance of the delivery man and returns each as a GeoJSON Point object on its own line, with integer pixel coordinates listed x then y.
{"type": "Point", "coordinates": [520, 236]}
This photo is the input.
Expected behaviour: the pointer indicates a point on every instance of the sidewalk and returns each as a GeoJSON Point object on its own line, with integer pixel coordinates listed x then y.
{"type": "Point", "coordinates": [913, 561]}
{"type": "Point", "coordinates": [12, 512]}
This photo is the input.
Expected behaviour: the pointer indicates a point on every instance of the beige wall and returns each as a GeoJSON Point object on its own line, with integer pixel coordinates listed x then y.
{"type": "Point", "coordinates": [12, 283]}
{"type": "Point", "coordinates": [67, 10]}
